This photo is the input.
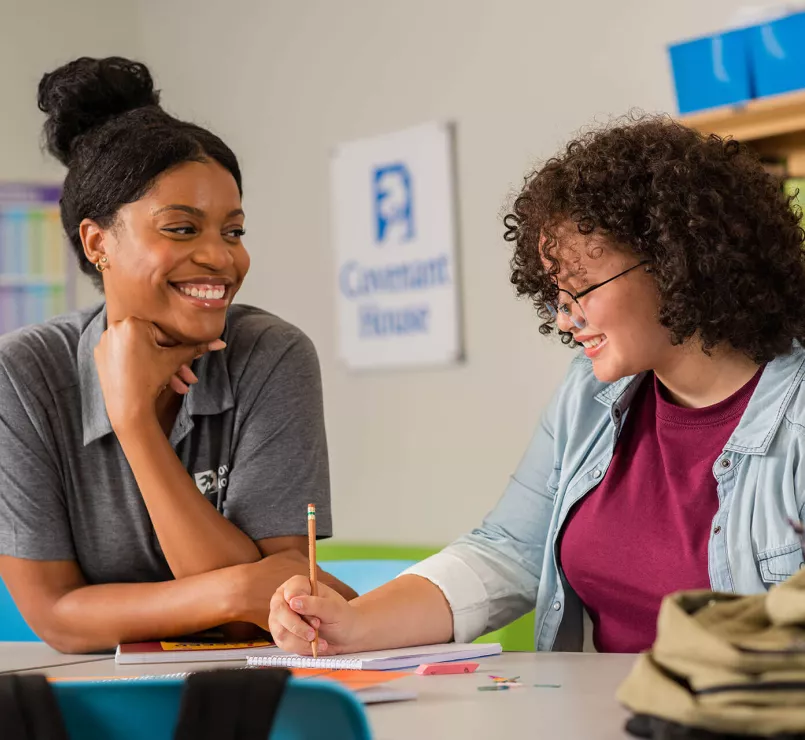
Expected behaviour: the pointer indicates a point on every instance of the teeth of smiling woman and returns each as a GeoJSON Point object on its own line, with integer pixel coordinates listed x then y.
{"type": "Point", "coordinates": [594, 342]}
{"type": "Point", "coordinates": [205, 291]}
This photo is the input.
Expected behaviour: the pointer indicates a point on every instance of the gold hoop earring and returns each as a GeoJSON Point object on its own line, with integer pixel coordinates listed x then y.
{"type": "Point", "coordinates": [100, 265]}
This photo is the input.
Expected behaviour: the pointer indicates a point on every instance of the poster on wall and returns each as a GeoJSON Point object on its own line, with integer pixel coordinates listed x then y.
{"type": "Point", "coordinates": [35, 275]}
{"type": "Point", "coordinates": [393, 214]}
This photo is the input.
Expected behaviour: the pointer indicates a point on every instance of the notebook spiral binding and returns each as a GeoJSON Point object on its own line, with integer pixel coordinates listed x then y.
{"type": "Point", "coordinates": [299, 661]}
{"type": "Point", "coordinates": [126, 679]}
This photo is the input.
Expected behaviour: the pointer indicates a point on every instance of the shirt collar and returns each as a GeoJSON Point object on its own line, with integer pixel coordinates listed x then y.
{"type": "Point", "coordinates": [779, 382]}
{"type": "Point", "coordinates": [763, 415]}
{"type": "Point", "coordinates": [618, 395]}
{"type": "Point", "coordinates": [211, 395]}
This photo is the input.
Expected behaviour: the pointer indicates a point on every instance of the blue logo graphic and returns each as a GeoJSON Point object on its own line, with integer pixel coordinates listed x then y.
{"type": "Point", "coordinates": [393, 196]}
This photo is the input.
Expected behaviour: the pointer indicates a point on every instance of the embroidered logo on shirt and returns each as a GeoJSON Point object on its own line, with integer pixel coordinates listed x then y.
{"type": "Point", "coordinates": [207, 481]}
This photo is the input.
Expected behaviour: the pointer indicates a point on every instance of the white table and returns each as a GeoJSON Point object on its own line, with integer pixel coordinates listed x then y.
{"type": "Point", "coordinates": [22, 656]}
{"type": "Point", "coordinates": [583, 708]}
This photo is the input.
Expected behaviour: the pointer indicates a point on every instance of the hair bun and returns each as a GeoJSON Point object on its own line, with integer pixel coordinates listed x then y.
{"type": "Point", "coordinates": [88, 92]}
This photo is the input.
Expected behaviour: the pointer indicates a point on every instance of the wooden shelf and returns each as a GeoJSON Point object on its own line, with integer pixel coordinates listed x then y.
{"type": "Point", "coordinates": [763, 118]}
{"type": "Point", "coordinates": [774, 126]}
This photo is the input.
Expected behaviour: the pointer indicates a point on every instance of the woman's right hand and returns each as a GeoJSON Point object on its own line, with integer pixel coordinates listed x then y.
{"type": "Point", "coordinates": [295, 613]}
{"type": "Point", "coordinates": [136, 361]}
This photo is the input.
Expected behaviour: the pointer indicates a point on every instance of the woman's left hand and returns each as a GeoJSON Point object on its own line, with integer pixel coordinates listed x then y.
{"type": "Point", "coordinates": [134, 367]}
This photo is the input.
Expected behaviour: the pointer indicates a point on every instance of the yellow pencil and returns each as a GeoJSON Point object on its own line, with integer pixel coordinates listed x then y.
{"type": "Point", "coordinates": [311, 555]}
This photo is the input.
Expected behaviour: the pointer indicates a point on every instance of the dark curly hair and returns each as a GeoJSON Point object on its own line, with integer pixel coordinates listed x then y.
{"type": "Point", "coordinates": [105, 124]}
{"type": "Point", "coordinates": [723, 240]}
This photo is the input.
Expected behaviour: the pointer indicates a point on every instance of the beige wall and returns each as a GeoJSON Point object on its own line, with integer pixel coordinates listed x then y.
{"type": "Point", "coordinates": [416, 456]}
{"type": "Point", "coordinates": [35, 37]}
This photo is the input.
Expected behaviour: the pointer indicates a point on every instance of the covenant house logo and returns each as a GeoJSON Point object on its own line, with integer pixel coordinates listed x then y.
{"type": "Point", "coordinates": [207, 481]}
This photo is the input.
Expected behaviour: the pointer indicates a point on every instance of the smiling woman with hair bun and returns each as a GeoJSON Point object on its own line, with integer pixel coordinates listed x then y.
{"type": "Point", "coordinates": [158, 449]}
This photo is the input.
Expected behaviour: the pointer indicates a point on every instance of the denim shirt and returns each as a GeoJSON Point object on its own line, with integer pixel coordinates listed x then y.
{"type": "Point", "coordinates": [510, 563]}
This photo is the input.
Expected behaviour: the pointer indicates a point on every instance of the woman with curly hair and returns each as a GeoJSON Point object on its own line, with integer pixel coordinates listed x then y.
{"type": "Point", "coordinates": [158, 450]}
{"type": "Point", "coordinates": [670, 457]}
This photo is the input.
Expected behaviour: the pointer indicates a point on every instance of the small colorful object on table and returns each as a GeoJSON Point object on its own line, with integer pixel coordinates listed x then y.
{"type": "Point", "coordinates": [442, 669]}
{"type": "Point", "coordinates": [502, 683]}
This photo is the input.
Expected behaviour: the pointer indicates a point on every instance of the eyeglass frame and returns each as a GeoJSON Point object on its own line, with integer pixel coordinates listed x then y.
{"type": "Point", "coordinates": [575, 298]}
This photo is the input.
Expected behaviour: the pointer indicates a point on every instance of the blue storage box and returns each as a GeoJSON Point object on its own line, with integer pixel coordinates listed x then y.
{"type": "Point", "coordinates": [778, 55]}
{"type": "Point", "coordinates": [712, 71]}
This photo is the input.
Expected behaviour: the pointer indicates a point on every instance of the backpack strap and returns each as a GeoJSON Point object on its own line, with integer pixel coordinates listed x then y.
{"type": "Point", "coordinates": [657, 728]}
{"type": "Point", "coordinates": [230, 704]}
{"type": "Point", "coordinates": [29, 710]}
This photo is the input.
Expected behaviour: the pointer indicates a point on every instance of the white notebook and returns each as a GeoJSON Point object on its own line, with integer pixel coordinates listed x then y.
{"type": "Point", "coordinates": [381, 660]}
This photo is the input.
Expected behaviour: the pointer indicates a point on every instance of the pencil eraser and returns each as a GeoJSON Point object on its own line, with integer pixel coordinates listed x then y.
{"type": "Point", "coordinates": [444, 669]}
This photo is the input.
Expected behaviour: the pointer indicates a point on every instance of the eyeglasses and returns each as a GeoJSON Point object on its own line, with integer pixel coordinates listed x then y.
{"type": "Point", "coordinates": [572, 310]}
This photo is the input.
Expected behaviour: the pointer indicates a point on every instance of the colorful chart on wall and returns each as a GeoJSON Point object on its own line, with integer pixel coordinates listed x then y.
{"type": "Point", "coordinates": [36, 276]}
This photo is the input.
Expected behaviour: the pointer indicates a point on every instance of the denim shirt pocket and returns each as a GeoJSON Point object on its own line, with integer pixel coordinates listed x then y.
{"type": "Point", "coordinates": [780, 563]}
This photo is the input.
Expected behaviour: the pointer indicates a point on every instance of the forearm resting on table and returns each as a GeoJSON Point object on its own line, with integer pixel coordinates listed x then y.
{"type": "Point", "coordinates": [410, 610]}
{"type": "Point", "coordinates": [93, 618]}
{"type": "Point", "coordinates": [55, 600]}
{"type": "Point", "coordinates": [100, 617]}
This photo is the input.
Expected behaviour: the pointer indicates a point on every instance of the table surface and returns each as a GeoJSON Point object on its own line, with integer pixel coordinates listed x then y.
{"type": "Point", "coordinates": [583, 705]}
{"type": "Point", "coordinates": [24, 656]}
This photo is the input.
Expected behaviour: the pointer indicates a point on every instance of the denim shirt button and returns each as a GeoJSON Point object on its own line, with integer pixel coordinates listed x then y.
{"type": "Point", "coordinates": [616, 413]}
{"type": "Point", "coordinates": [596, 474]}
{"type": "Point", "coordinates": [557, 605]}
{"type": "Point", "coordinates": [725, 463]}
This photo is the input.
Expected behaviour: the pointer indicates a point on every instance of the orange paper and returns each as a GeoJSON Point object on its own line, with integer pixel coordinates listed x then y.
{"type": "Point", "coordinates": [353, 680]}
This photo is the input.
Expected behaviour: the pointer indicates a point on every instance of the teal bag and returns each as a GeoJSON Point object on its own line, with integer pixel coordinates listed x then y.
{"type": "Point", "coordinates": [209, 705]}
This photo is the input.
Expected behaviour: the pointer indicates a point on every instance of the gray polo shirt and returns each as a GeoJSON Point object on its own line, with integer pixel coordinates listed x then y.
{"type": "Point", "coordinates": [250, 434]}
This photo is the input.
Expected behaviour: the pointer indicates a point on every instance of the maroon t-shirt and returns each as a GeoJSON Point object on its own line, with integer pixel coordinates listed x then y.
{"type": "Point", "coordinates": [643, 532]}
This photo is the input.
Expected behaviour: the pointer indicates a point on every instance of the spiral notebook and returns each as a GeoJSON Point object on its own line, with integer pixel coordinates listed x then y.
{"type": "Point", "coordinates": [381, 660]}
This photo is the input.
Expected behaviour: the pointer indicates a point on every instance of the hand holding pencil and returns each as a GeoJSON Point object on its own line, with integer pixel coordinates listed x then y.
{"type": "Point", "coordinates": [306, 617]}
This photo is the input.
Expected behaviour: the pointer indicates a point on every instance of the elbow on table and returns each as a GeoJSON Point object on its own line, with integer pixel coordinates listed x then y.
{"type": "Point", "coordinates": [70, 643]}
